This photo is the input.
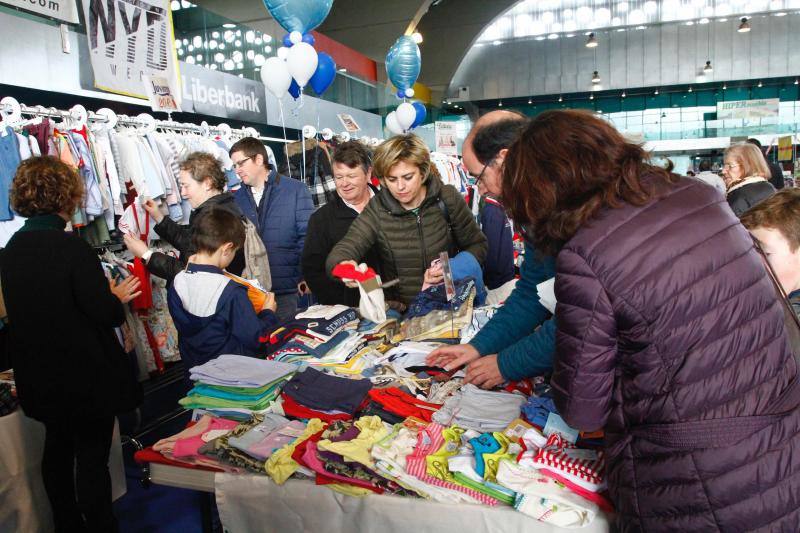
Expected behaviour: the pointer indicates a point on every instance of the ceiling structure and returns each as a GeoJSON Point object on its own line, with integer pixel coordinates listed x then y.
{"type": "Point", "coordinates": [451, 27]}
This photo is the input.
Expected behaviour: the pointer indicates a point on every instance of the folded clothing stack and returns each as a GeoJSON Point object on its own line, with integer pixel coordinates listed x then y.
{"type": "Point", "coordinates": [322, 392]}
{"type": "Point", "coordinates": [235, 386]}
{"type": "Point", "coordinates": [483, 411]}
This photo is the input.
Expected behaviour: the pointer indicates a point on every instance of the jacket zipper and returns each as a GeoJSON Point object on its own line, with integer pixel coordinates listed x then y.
{"type": "Point", "coordinates": [422, 241]}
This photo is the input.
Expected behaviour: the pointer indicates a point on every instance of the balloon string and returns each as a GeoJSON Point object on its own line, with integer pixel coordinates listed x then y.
{"type": "Point", "coordinates": [303, 141]}
{"type": "Point", "coordinates": [285, 145]}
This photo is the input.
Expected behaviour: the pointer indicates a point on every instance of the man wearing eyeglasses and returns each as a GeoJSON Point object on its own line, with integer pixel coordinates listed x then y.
{"type": "Point", "coordinates": [519, 341]}
{"type": "Point", "coordinates": [279, 207]}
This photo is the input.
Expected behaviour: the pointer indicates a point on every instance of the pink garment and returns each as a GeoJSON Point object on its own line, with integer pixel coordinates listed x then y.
{"type": "Point", "coordinates": [585, 467]}
{"type": "Point", "coordinates": [430, 440]}
{"type": "Point", "coordinates": [313, 462]}
{"type": "Point", "coordinates": [182, 444]}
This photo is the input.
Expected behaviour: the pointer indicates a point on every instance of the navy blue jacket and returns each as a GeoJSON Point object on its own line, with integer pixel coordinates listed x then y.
{"type": "Point", "coordinates": [281, 222]}
{"type": "Point", "coordinates": [214, 316]}
{"type": "Point", "coordinates": [498, 268]}
{"type": "Point", "coordinates": [522, 349]}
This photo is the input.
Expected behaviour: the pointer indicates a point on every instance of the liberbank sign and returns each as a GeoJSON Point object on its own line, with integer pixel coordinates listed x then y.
{"type": "Point", "coordinates": [216, 94]}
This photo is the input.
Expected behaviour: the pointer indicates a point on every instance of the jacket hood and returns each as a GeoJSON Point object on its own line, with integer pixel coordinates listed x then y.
{"type": "Point", "coordinates": [434, 187]}
{"type": "Point", "coordinates": [199, 289]}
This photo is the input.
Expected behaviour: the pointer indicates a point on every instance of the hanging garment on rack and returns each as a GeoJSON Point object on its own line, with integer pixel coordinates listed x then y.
{"type": "Point", "coordinates": [41, 133]}
{"type": "Point", "coordinates": [9, 161]}
{"type": "Point", "coordinates": [317, 173]}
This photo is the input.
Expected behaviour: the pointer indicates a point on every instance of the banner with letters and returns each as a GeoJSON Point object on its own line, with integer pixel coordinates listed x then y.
{"type": "Point", "coordinates": [65, 10]}
{"type": "Point", "coordinates": [129, 40]}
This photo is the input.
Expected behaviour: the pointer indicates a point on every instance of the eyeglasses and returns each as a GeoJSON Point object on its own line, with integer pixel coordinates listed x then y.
{"type": "Point", "coordinates": [480, 176]}
{"type": "Point", "coordinates": [730, 165]}
{"type": "Point", "coordinates": [239, 164]}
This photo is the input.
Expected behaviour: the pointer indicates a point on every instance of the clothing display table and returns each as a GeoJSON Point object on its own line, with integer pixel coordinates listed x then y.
{"type": "Point", "coordinates": [23, 500]}
{"type": "Point", "coordinates": [247, 502]}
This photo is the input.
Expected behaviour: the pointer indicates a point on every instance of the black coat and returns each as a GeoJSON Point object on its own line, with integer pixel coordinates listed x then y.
{"type": "Point", "coordinates": [180, 236]}
{"type": "Point", "coordinates": [747, 196]}
{"type": "Point", "coordinates": [326, 227]}
{"type": "Point", "coordinates": [776, 179]}
{"type": "Point", "coordinates": [66, 356]}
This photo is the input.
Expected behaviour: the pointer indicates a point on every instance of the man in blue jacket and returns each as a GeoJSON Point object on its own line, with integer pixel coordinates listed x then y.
{"type": "Point", "coordinates": [519, 340]}
{"type": "Point", "coordinates": [279, 207]}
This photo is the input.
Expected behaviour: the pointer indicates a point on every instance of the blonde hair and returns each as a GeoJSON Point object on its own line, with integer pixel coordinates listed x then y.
{"type": "Point", "coordinates": [750, 157]}
{"type": "Point", "coordinates": [402, 148]}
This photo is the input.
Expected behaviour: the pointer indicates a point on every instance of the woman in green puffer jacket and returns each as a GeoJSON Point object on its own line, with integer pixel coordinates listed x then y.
{"type": "Point", "coordinates": [411, 220]}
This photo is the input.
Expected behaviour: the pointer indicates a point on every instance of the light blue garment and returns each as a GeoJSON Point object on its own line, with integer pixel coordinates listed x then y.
{"type": "Point", "coordinates": [464, 265]}
{"type": "Point", "coordinates": [152, 177]}
{"type": "Point", "coordinates": [93, 202]}
{"type": "Point", "coordinates": [9, 161]}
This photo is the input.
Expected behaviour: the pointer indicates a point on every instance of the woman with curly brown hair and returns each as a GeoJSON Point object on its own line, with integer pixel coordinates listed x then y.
{"type": "Point", "coordinates": [71, 372]}
{"type": "Point", "coordinates": [669, 332]}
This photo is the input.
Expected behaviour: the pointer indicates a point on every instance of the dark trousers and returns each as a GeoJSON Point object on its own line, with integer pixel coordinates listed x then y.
{"type": "Point", "coordinates": [75, 473]}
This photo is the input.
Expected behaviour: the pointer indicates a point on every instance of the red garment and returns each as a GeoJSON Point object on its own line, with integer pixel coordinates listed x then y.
{"type": "Point", "coordinates": [300, 449]}
{"type": "Point", "coordinates": [351, 272]}
{"type": "Point", "coordinates": [401, 403]}
{"type": "Point", "coordinates": [297, 410]}
{"type": "Point", "coordinates": [145, 300]}
{"type": "Point", "coordinates": [149, 455]}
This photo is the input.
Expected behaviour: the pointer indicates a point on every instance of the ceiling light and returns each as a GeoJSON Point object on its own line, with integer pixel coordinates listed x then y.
{"type": "Point", "coordinates": [197, 41]}
{"type": "Point", "coordinates": [228, 25]}
{"type": "Point", "coordinates": [690, 23]}
{"type": "Point", "coordinates": [219, 57]}
{"type": "Point", "coordinates": [656, 93]}
{"type": "Point", "coordinates": [744, 27]}
{"type": "Point", "coordinates": [497, 43]}
{"type": "Point", "coordinates": [722, 20]}
{"type": "Point", "coordinates": [190, 60]}
{"type": "Point", "coordinates": [591, 42]}
{"type": "Point", "coordinates": [267, 38]}
{"type": "Point", "coordinates": [228, 65]}
{"type": "Point", "coordinates": [530, 101]}
{"type": "Point", "coordinates": [250, 36]}
{"type": "Point", "coordinates": [251, 54]}
{"type": "Point", "coordinates": [259, 60]}
{"type": "Point", "coordinates": [238, 43]}
{"type": "Point", "coordinates": [268, 49]}
{"type": "Point", "coordinates": [175, 5]}
{"type": "Point", "coordinates": [591, 97]}
{"type": "Point", "coordinates": [781, 14]}
{"type": "Point", "coordinates": [215, 35]}
{"type": "Point", "coordinates": [690, 89]}
{"type": "Point", "coordinates": [623, 94]}
{"type": "Point", "coordinates": [595, 77]}
{"type": "Point", "coordinates": [760, 84]}
{"type": "Point", "coordinates": [342, 70]}
{"type": "Point", "coordinates": [552, 36]}
{"type": "Point", "coordinates": [240, 65]}
{"type": "Point", "coordinates": [796, 82]}
{"type": "Point", "coordinates": [213, 66]}
{"type": "Point", "coordinates": [708, 68]}
{"type": "Point", "coordinates": [541, 38]}
{"type": "Point", "coordinates": [500, 103]}
{"type": "Point", "coordinates": [724, 86]}
{"type": "Point", "coordinates": [417, 37]}
{"type": "Point", "coordinates": [703, 21]}
{"type": "Point", "coordinates": [560, 98]}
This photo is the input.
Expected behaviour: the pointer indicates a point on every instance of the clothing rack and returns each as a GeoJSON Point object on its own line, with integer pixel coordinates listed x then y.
{"type": "Point", "coordinates": [12, 112]}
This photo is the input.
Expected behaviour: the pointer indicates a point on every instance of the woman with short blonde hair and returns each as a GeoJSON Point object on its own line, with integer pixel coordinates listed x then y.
{"type": "Point", "coordinates": [410, 221]}
{"type": "Point", "coordinates": [746, 173]}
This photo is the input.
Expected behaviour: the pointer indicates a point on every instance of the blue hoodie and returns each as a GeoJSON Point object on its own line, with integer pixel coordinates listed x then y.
{"type": "Point", "coordinates": [214, 316]}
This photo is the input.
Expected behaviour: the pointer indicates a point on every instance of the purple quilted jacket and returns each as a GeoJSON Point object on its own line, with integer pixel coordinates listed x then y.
{"type": "Point", "coordinates": [670, 336]}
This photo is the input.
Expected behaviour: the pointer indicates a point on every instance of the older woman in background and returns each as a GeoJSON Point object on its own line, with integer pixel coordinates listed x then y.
{"type": "Point", "coordinates": [746, 173]}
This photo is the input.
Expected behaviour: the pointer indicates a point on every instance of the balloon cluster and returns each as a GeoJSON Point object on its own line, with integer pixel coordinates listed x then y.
{"type": "Point", "coordinates": [403, 63]}
{"type": "Point", "coordinates": [298, 64]}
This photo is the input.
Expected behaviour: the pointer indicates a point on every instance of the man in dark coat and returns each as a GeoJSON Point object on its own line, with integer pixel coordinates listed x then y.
{"type": "Point", "coordinates": [279, 207]}
{"type": "Point", "coordinates": [775, 170]}
{"type": "Point", "coordinates": [352, 171]}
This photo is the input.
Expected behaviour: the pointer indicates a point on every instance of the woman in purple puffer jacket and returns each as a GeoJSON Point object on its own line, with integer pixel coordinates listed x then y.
{"type": "Point", "coordinates": [670, 334]}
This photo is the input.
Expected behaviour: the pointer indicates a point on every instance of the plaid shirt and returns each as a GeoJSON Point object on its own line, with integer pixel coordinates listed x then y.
{"type": "Point", "coordinates": [321, 189]}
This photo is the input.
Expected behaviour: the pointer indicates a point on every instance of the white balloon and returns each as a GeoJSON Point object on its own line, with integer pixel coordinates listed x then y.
{"type": "Point", "coordinates": [406, 115]}
{"type": "Point", "coordinates": [283, 53]}
{"type": "Point", "coordinates": [296, 37]}
{"type": "Point", "coordinates": [392, 124]}
{"type": "Point", "coordinates": [276, 77]}
{"type": "Point", "coordinates": [327, 134]}
{"type": "Point", "coordinates": [409, 93]}
{"type": "Point", "coordinates": [302, 63]}
{"type": "Point", "coordinates": [344, 136]}
{"type": "Point", "coordinates": [309, 132]}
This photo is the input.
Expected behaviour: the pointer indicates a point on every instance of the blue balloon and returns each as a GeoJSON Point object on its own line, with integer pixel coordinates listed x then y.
{"type": "Point", "coordinates": [299, 15]}
{"type": "Point", "coordinates": [294, 90]}
{"type": "Point", "coordinates": [308, 38]}
{"type": "Point", "coordinates": [403, 63]}
{"type": "Point", "coordinates": [286, 41]}
{"type": "Point", "coordinates": [419, 107]}
{"type": "Point", "coordinates": [400, 94]}
{"type": "Point", "coordinates": [324, 75]}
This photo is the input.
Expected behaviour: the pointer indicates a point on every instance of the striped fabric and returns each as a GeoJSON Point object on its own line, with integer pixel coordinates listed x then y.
{"type": "Point", "coordinates": [429, 441]}
{"type": "Point", "coordinates": [564, 458]}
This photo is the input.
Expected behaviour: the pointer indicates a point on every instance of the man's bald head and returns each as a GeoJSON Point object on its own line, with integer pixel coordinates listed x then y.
{"type": "Point", "coordinates": [491, 117]}
{"type": "Point", "coordinates": [485, 147]}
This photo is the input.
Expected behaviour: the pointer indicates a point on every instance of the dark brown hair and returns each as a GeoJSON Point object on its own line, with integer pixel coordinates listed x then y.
{"type": "Point", "coordinates": [353, 154]}
{"type": "Point", "coordinates": [214, 228]}
{"type": "Point", "coordinates": [202, 166]}
{"type": "Point", "coordinates": [45, 186]}
{"type": "Point", "coordinates": [251, 147]}
{"type": "Point", "coordinates": [566, 165]}
{"type": "Point", "coordinates": [781, 212]}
